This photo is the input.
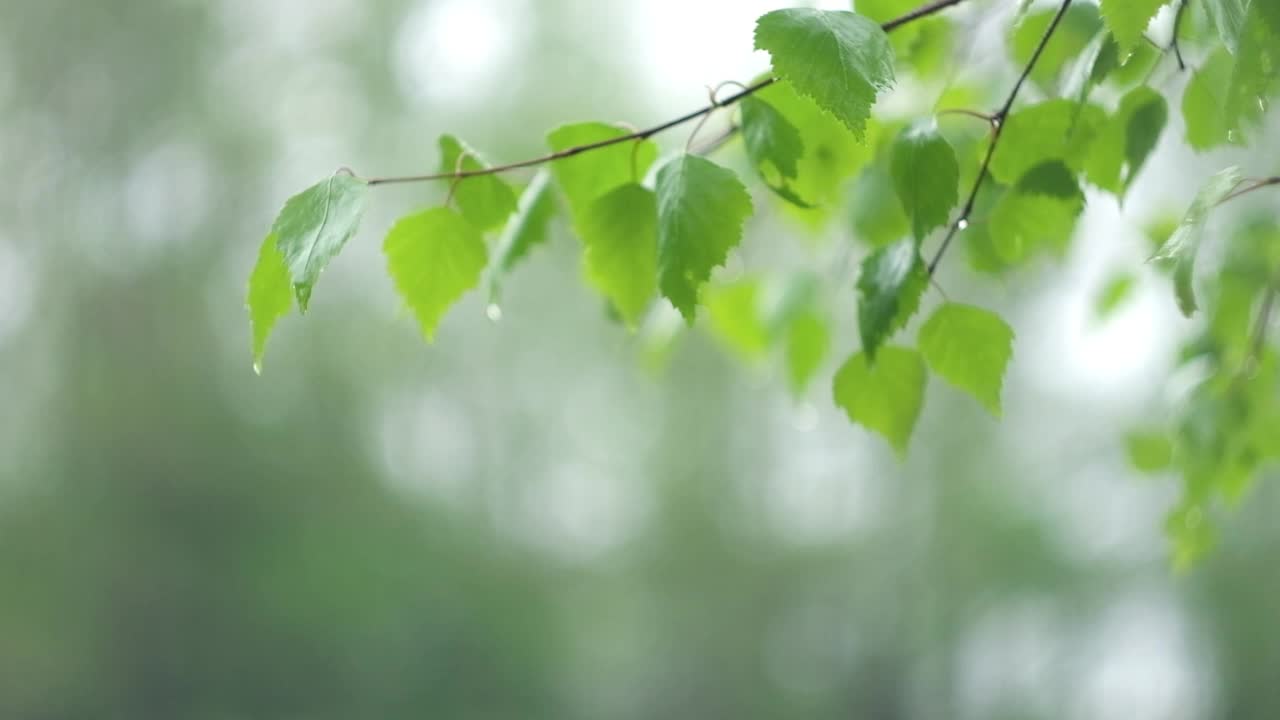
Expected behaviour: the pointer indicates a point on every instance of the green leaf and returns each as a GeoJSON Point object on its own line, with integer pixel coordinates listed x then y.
{"type": "Point", "coordinates": [970, 348]}
{"type": "Point", "coordinates": [701, 208]}
{"type": "Point", "coordinates": [1255, 77]}
{"type": "Point", "coordinates": [526, 229]}
{"type": "Point", "coordinates": [889, 288]}
{"type": "Point", "coordinates": [587, 176]}
{"type": "Point", "coordinates": [1121, 148]}
{"type": "Point", "coordinates": [1128, 19]}
{"type": "Point", "coordinates": [1023, 223]}
{"type": "Point", "coordinates": [734, 310]}
{"type": "Point", "coordinates": [620, 234]}
{"type": "Point", "coordinates": [1204, 103]}
{"type": "Point", "coordinates": [808, 339]}
{"type": "Point", "coordinates": [485, 200]}
{"type": "Point", "coordinates": [878, 218]}
{"type": "Point", "coordinates": [1078, 27]}
{"type": "Point", "coordinates": [1114, 294]}
{"type": "Point", "coordinates": [1051, 130]}
{"type": "Point", "coordinates": [773, 146]}
{"type": "Point", "coordinates": [270, 296]}
{"type": "Point", "coordinates": [1149, 452]}
{"type": "Point", "coordinates": [885, 397]}
{"type": "Point", "coordinates": [1228, 16]}
{"type": "Point", "coordinates": [831, 155]}
{"type": "Point", "coordinates": [314, 225]}
{"type": "Point", "coordinates": [839, 59]}
{"type": "Point", "coordinates": [434, 258]}
{"type": "Point", "coordinates": [926, 176]}
{"type": "Point", "coordinates": [1183, 246]}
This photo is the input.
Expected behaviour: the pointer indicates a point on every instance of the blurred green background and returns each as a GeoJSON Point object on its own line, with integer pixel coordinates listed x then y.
{"type": "Point", "coordinates": [527, 519]}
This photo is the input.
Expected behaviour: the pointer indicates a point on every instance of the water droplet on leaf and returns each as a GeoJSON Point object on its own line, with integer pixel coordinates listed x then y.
{"type": "Point", "coordinates": [493, 311]}
{"type": "Point", "coordinates": [964, 223]}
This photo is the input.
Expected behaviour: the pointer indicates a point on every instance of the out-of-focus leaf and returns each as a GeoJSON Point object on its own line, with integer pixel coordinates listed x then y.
{"type": "Point", "coordinates": [1183, 246]}
{"type": "Point", "coordinates": [485, 200]}
{"type": "Point", "coordinates": [270, 296]}
{"type": "Point", "coordinates": [620, 235]}
{"type": "Point", "coordinates": [586, 176]}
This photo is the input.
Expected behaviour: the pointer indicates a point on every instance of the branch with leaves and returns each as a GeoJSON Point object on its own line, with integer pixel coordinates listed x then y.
{"type": "Point", "coordinates": [654, 228]}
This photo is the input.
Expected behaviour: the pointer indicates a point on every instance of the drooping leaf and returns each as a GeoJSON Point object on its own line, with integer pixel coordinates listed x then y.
{"type": "Point", "coordinates": [270, 296]}
{"type": "Point", "coordinates": [839, 59]}
{"type": "Point", "coordinates": [885, 397]}
{"type": "Point", "coordinates": [735, 312]}
{"type": "Point", "coordinates": [1149, 451]}
{"type": "Point", "coordinates": [1128, 19]}
{"type": "Point", "coordinates": [587, 176]}
{"type": "Point", "coordinates": [970, 348]}
{"type": "Point", "coordinates": [1183, 246]}
{"type": "Point", "coordinates": [434, 258]}
{"type": "Point", "coordinates": [1051, 130]}
{"type": "Point", "coordinates": [889, 288]}
{"type": "Point", "coordinates": [1117, 290]}
{"type": "Point", "coordinates": [620, 235]}
{"type": "Point", "coordinates": [1121, 148]}
{"type": "Point", "coordinates": [878, 217]}
{"type": "Point", "coordinates": [486, 201]}
{"type": "Point", "coordinates": [1255, 76]}
{"type": "Point", "coordinates": [831, 154]}
{"type": "Point", "coordinates": [1204, 103]}
{"type": "Point", "coordinates": [1022, 223]}
{"type": "Point", "coordinates": [1078, 27]}
{"type": "Point", "coordinates": [526, 229]}
{"type": "Point", "coordinates": [314, 225]}
{"type": "Point", "coordinates": [808, 339]}
{"type": "Point", "coordinates": [1228, 16]}
{"type": "Point", "coordinates": [926, 176]}
{"type": "Point", "coordinates": [701, 208]}
{"type": "Point", "coordinates": [773, 145]}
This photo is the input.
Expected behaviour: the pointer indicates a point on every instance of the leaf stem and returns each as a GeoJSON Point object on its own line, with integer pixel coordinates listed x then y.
{"type": "Point", "coordinates": [997, 123]}
{"type": "Point", "coordinates": [986, 117]}
{"type": "Point", "coordinates": [1249, 186]}
{"type": "Point", "coordinates": [1177, 25]}
{"type": "Point", "coordinates": [917, 14]}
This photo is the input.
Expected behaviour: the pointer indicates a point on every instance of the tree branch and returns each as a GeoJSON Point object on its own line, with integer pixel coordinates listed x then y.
{"type": "Point", "coordinates": [997, 122]}
{"type": "Point", "coordinates": [1177, 25]}
{"type": "Point", "coordinates": [1249, 186]}
{"type": "Point", "coordinates": [917, 14]}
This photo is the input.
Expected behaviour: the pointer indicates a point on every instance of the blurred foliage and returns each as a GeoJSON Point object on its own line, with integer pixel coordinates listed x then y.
{"type": "Point", "coordinates": [521, 522]}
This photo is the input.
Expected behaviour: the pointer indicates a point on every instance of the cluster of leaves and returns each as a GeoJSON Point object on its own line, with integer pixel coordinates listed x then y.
{"type": "Point", "coordinates": [1086, 126]}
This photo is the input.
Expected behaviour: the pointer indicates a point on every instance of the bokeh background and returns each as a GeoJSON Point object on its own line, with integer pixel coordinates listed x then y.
{"type": "Point", "coordinates": [539, 517]}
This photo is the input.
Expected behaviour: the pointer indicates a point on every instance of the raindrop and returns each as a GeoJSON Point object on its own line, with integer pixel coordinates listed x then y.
{"type": "Point", "coordinates": [1231, 136]}
{"type": "Point", "coordinates": [964, 223]}
{"type": "Point", "coordinates": [257, 367]}
{"type": "Point", "coordinates": [493, 311]}
{"type": "Point", "coordinates": [995, 123]}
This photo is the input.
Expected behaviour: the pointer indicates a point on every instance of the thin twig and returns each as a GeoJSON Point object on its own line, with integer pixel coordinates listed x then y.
{"type": "Point", "coordinates": [917, 14]}
{"type": "Point", "coordinates": [1248, 186]}
{"type": "Point", "coordinates": [998, 123]}
{"type": "Point", "coordinates": [990, 119]}
{"type": "Point", "coordinates": [1177, 25]}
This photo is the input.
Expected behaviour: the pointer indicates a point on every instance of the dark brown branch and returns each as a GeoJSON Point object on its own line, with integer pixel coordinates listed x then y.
{"type": "Point", "coordinates": [1249, 186]}
{"type": "Point", "coordinates": [1177, 25]}
{"type": "Point", "coordinates": [997, 123]}
{"type": "Point", "coordinates": [917, 14]}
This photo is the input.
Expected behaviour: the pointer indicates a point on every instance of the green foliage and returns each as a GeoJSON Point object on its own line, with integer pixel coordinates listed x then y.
{"type": "Point", "coordinates": [620, 239]}
{"type": "Point", "coordinates": [586, 176]}
{"type": "Point", "coordinates": [889, 288]}
{"type": "Point", "coordinates": [839, 59]}
{"type": "Point", "coordinates": [526, 229]}
{"type": "Point", "coordinates": [486, 201]}
{"type": "Point", "coordinates": [773, 145]}
{"type": "Point", "coordinates": [701, 208]}
{"type": "Point", "coordinates": [1128, 19]}
{"type": "Point", "coordinates": [314, 225]}
{"type": "Point", "coordinates": [885, 396]}
{"type": "Point", "coordinates": [970, 348]}
{"type": "Point", "coordinates": [1096, 111]}
{"type": "Point", "coordinates": [1183, 247]}
{"type": "Point", "coordinates": [270, 296]}
{"type": "Point", "coordinates": [434, 257]}
{"type": "Point", "coordinates": [926, 176]}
